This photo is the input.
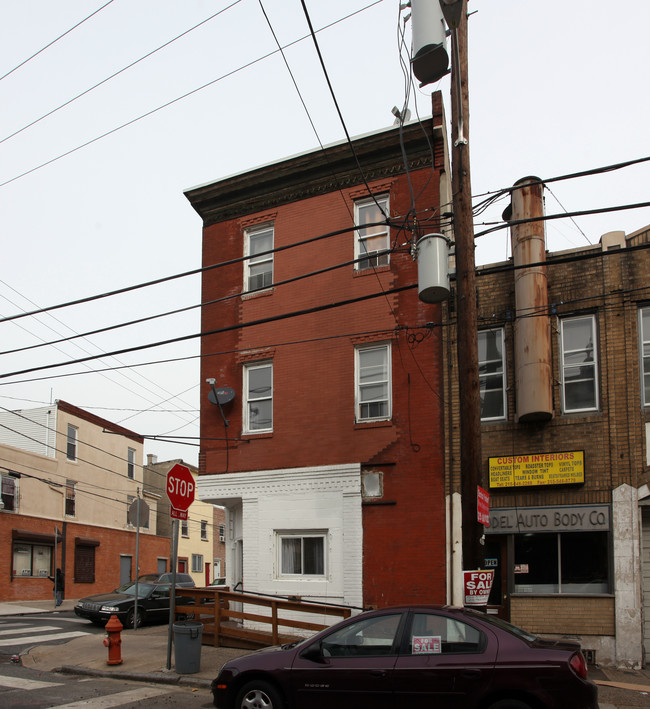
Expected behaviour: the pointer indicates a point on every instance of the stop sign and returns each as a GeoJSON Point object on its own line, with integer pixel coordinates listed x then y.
{"type": "Point", "coordinates": [180, 487]}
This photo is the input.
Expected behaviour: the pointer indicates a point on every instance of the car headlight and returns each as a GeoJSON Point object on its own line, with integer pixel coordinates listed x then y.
{"type": "Point", "coordinates": [110, 609]}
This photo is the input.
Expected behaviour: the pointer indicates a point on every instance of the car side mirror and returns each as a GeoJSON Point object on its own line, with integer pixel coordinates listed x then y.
{"type": "Point", "coordinates": [314, 653]}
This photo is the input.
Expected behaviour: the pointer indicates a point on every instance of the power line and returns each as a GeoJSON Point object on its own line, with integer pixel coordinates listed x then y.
{"type": "Point", "coordinates": [42, 49]}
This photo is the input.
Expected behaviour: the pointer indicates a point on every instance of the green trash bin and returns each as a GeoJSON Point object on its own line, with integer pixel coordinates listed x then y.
{"type": "Point", "coordinates": [187, 646]}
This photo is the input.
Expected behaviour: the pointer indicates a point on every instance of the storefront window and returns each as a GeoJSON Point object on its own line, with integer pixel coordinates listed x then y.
{"type": "Point", "coordinates": [571, 562]}
{"type": "Point", "coordinates": [32, 560]}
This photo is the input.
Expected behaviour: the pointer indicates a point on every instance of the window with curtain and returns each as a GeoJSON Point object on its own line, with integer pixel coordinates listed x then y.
{"type": "Point", "coordinates": [301, 554]}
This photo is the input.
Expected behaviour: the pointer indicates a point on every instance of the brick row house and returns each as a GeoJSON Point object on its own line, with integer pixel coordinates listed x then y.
{"type": "Point", "coordinates": [68, 480]}
{"type": "Point", "coordinates": [329, 460]}
{"type": "Point", "coordinates": [564, 369]}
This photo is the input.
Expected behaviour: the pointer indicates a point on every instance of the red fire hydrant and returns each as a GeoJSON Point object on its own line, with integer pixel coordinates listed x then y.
{"type": "Point", "coordinates": [113, 641]}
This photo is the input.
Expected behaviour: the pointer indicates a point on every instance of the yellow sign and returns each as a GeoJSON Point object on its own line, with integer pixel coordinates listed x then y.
{"type": "Point", "coordinates": [566, 468]}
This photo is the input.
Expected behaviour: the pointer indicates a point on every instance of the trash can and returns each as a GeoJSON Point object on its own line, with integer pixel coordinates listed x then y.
{"type": "Point", "coordinates": [187, 646]}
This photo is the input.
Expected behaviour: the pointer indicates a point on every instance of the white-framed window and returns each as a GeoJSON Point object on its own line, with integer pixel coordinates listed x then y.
{"type": "Point", "coordinates": [258, 266]}
{"type": "Point", "coordinates": [204, 531]}
{"type": "Point", "coordinates": [130, 463]}
{"type": "Point", "coordinates": [579, 364]}
{"type": "Point", "coordinates": [197, 563]}
{"type": "Point", "coordinates": [9, 493]}
{"type": "Point", "coordinates": [70, 498]}
{"type": "Point", "coordinates": [258, 397]}
{"type": "Point", "coordinates": [373, 382]}
{"type": "Point", "coordinates": [32, 559]}
{"type": "Point", "coordinates": [71, 446]}
{"type": "Point", "coordinates": [371, 239]}
{"type": "Point", "coordinates": [644, 347]}
{"type": "Point", "coordinates": [185, 528]}
{"type": "Point", "coordinates": [491, 374]}
{"type": "Point", "coordinates": [302, 553]}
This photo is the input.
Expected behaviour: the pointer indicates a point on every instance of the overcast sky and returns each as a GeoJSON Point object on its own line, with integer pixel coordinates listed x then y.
{"type": "Point", "coordinates": [556, 87]}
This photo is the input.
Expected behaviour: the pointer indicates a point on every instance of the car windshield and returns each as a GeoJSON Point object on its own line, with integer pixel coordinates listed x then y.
{"type": "Point", "coordinates": [144, 589]}
{"type": "Point", "coordinates": [508, 627]}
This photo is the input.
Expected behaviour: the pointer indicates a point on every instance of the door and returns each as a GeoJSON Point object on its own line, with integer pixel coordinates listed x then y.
{"type": "Point", "coordinates": [496, 557]}
{"type": "Point", "coordinates": [645, 574]}
{"type": "Point", "coordinates": [125, 569]}
{"type": "Point", "coordinates": [353, 668]}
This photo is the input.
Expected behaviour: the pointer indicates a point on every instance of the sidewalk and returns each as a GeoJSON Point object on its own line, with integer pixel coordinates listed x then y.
{"type": "Point", "coordinates": [145, 651]}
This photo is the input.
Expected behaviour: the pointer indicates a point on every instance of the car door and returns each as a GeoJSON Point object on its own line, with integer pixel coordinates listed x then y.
{"type": "Point", "coordinates": [157, 603]}
{"type": "Point", "coordinates": [349, 668]}
{"type": "Point", "coordinates": [446, 662]}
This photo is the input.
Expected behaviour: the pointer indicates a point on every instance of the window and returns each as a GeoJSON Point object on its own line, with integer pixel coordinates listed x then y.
{"type": "Point", "coordinates": [32, 559]}
{"type": "Point", "coordinates": [433, 634]}
{"type": "Point", "coordinates": [71, 448]}
{"type": "Point", "coordinates": [644, 329]}
{"type": "Point", "coordinates": [258, 268]}
{"type": "Point", "coordinates": [204, 530]}
{"type": "Point", "coordinates": [491, 373]}
{"type": "Point", "coordinates": [197, 563]}
{"type": "Point", "coordinates": [258, 397]}
{"type": "Point", "coordinates": [185, 532]}
{"type": "Point", "coordinates": [579, 362]}
{"type": "Point", "coordinates": [302, 554]}
{"type": "Point", "coordinates": [70, 498]}
{"type": "Point", "coordinates": [371, 239]}
{"type": "Point", "coordinates": [569, 562]}
{"type": "Point", "coordinates": [373, 383]}
{"type": "Point", "coordinates": [9, 491]}
{"type": "Point", "coordinates": [369, 637]}
{"type": "Point", "coordinates": [130, 463]}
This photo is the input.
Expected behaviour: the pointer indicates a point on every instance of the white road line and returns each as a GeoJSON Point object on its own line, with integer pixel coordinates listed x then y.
{"type": "Point", "coordinates": [40, 638]}
{"type": "Point", "coordinates": [27, 627]}
{"type": "Point", "coordinates": [19, 683]}
{"type": "Point", "coordinates": [116, 700]}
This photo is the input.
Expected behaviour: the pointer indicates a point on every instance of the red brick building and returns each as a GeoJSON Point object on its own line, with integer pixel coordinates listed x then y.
{"type": "Point", "coordinates": [331, 466]}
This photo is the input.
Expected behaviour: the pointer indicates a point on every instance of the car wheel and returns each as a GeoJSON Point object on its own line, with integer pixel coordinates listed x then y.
{"type": "Point", "coordinates": [130, 617]}
{"type": "Point", "coordinates": [258, 695]}
{"type": "Point", "coordinates": [510, 704]}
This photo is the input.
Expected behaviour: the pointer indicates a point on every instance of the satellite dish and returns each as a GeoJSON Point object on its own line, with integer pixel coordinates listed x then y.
{"type": "Point", "coordinates": [221, 396]}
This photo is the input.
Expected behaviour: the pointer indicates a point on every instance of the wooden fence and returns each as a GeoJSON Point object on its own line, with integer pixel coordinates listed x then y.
{"type": "Point", "coordinates": [261, 620]}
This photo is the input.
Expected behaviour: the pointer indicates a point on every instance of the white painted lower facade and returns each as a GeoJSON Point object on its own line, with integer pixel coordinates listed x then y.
{"type": "Point", "coordinates": [262, 505]}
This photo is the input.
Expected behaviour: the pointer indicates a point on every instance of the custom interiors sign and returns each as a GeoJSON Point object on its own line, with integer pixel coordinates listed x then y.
{"type": "Point", "coordinates": [529, 470]}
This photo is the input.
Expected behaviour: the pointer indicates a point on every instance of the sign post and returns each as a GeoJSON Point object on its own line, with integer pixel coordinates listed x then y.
{"type": "Point", "coordinates": [180, 491]}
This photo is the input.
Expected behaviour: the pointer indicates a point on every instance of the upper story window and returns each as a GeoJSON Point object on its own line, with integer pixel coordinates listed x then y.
{"type": "Point", "coordinates": [9, 491]}
{"type": "Point", "coordinates": [491, 374]}
{"type": "Point", "coordinates": [130, 463]}
{"type": "Point", "coordinates": [71, 447]}
{"type": "Point", "coordinates": [258, 397]}
{"type": "Point", "coordinates": [70, 498]}
{"type": "Point", "coordinates": [258, 268]}
{"type": "Point", "coordinates": [371, 239]}
{"type": "Point", "coordinates": [644, 330]}
{"type": "Point", "coordinates": [185, 528]}
{"type": "Point", "coordinates": [373, 383]}
{"type": "Point", "coordinates": [204, 530]}
{"type": "Point", "coordinates": [579, 364]}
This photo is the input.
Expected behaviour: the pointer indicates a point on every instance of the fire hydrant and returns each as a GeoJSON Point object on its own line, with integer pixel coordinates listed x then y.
{"type": "Point", "coordinates": [113, 641]}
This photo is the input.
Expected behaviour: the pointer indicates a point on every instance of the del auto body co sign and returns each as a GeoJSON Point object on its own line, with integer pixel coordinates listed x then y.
{"type": "Point", "coordinates": [569, 518]}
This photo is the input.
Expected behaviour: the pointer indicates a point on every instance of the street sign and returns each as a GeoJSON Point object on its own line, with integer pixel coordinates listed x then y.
{"type": "Point", "coordinates": [180, 488]}
{"type": "Point", "coordinates": [178, 514]}
{"type": "Point", "coordinates": [143, 517]}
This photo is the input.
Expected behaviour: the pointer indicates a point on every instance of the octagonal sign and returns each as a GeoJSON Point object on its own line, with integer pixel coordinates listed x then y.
{"type": "Point", "coordinates": [180, 487]}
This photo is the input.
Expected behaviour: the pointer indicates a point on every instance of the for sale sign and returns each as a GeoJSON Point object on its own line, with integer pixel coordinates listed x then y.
{"type": "Point", "coordinates": [427, 645]}
{"type": "Point", "coordinates": [478, 585]}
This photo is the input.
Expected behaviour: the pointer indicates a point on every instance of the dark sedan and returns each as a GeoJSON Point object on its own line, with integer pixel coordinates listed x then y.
{"type": "Point", "coordinates": [400, 658]}
{"type": "Point", "coordinates": [153, 604]}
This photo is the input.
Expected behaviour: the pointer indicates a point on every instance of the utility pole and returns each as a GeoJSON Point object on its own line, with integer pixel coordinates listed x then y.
{"type": "Point", "coordinates": [466, 306]}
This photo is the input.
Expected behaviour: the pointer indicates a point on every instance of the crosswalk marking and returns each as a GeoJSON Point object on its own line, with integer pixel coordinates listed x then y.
{"type": "Point", "coordinates": [116, 700]}
{"type": "Point", "coordinates": [13, 630]}
{"type": "Point", "coordinates": [40, 638]}
{"type": "Point", "coordinates": [20, 683]}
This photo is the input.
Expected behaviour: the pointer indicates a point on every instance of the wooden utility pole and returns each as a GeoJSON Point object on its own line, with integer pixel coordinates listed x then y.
{"type": "Point", "coordinates": [467, 336]}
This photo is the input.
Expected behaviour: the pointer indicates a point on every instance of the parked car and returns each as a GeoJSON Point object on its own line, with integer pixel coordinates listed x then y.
{"type": "Point", "coordinates": [407, 657]}
{"type": "Point", "coordinates": [153, 604]}
{"type": "Point", "coordinates": [220, 582]}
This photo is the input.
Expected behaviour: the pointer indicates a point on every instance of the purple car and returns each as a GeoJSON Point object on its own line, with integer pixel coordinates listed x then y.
{"type": "Point", "coordinates": [419, 656]}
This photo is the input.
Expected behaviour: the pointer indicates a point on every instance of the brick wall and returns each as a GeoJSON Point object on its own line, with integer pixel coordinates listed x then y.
{"type": "Point", "coordinates": [564, 615]}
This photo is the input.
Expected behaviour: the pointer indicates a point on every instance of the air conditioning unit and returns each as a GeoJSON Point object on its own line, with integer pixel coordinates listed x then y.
{"type": "Point", "coordinates": [222, 538]}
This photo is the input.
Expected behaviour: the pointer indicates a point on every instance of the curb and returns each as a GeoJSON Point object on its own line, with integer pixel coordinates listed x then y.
{"type": "Point", "coordinates": [149, 677]}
